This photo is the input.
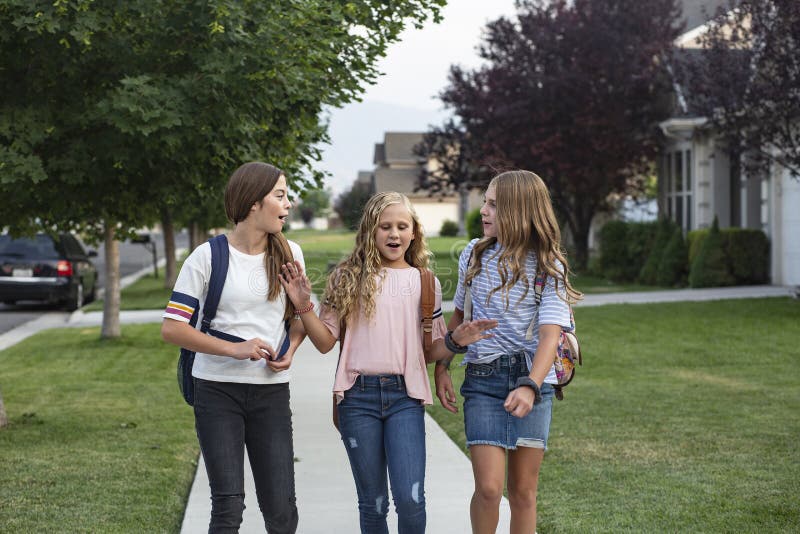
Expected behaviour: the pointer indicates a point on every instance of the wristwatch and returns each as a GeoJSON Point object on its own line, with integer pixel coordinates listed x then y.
{"type": "Point", "coordinates": [527, 381]}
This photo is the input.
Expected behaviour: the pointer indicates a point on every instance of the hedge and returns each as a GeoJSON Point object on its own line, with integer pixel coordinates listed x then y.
{"type": "Point", "coordinates": [623, 249]}
{"type": "Point", "coordinates": [746, 253]}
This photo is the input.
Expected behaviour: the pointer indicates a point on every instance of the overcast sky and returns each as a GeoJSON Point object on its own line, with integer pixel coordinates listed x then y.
{"type": "Point", "coordinates": [404, 99]}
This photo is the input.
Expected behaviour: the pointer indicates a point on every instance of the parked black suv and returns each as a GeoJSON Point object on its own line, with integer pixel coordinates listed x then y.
{"type": "Point", "coordinates": [43, 268]}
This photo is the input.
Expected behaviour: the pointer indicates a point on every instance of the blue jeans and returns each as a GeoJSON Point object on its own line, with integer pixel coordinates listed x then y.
{"type": "Point", "coordinates": [230, 416]}
{"type": "Point", "coordinates": [383, 427]}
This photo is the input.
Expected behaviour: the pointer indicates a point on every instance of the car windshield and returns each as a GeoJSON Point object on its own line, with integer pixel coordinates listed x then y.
{"type": "Point", "coordinates": [39, 247]}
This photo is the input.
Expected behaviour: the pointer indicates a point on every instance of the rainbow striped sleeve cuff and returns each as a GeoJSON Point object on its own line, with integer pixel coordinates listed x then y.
{"type": "Point", "coordinates": [181, 307]}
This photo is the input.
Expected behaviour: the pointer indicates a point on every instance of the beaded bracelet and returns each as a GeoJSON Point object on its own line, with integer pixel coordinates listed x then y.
{"type": "Point", "coordinates": [451, 345]}
{"type": "Point", "coordinates": [304, 310]}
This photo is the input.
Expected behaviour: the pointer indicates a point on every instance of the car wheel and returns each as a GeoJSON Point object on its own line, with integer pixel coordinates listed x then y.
{"type": "Point", "coordinates": [76, 301]}
{"type": "Point", "coordinates": [92, 295]}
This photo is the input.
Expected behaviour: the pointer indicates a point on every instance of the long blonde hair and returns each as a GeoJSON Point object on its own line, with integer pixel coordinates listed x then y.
{"type": "Point", "coordinates": [525, 221]}
{"type": "Point", "coordinates": [352, 286]}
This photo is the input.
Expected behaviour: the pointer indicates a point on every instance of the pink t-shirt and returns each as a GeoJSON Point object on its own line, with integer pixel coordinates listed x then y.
{"type": "Point", "coordinates": [391, 341]}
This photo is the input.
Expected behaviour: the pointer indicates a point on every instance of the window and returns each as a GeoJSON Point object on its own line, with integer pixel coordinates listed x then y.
{"type": "Point", "coordinates": [677, 176]}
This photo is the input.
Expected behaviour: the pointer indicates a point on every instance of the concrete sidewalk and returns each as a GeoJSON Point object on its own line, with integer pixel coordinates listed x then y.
{"type": "Point", "coordinates": [326, 494]}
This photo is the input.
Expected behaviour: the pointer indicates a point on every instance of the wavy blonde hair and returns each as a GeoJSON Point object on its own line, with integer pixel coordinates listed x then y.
{"type": "Point", "coordinates": [352, 286]}
{"type": "Point", "coordinates": [525, 222]}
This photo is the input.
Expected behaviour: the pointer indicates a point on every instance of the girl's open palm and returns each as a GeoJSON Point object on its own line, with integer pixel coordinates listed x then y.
{"type": "Point", "coordinates": [472, 331]}
{"type": "Point", "coordinates": [296, 283]}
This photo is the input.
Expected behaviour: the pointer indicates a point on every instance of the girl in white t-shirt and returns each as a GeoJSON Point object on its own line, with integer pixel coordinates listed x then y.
{"type": "Point", "coordinates": [242, 388]}
{"type": "Point", "coordinates": [381, 383]}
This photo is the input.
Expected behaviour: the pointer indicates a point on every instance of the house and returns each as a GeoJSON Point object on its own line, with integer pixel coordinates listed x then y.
{"type": "Point", "coordinates": [397, 168]}
{"type": "Point", "coordinates": [698, 180]}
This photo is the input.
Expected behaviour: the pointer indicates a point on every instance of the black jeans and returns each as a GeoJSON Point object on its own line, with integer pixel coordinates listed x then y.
{"type": "Point", "coordinates": [230, 416]}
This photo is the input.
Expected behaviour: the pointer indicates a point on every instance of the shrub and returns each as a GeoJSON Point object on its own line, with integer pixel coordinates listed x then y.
{"type": "Point", "coordinates": [449, 229]}
{"type": "Point", "coordinates": [639, 244]}
{"type": "Point", "coordinates": [672, 267]}
{"type": "Point", "coordinates": [747, 253]}
{"type": "Point", "coordinates": [649, 271]}
{"type": "Point", "coordinates": [612, 247]}
{"type": "Point", "coordinates": [709, 267]}
{"type": "Point", "coordinates": [695, 239]}
{"type": "Point", "coordinates": [474, 224]}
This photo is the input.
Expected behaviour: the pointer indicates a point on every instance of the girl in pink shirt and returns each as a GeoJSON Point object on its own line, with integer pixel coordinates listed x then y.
{"type": "Point", "coordinates": [381, 383]}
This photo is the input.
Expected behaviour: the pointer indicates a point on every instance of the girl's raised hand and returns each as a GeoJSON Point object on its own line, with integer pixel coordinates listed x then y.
{"type": "Point", "coordinates": [296, 284]}
{"type": "Point", "coordinates": [472, 331]}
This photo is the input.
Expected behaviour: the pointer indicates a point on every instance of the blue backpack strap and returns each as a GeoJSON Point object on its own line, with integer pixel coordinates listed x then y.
{"type": "Point", "coordinates": [285, 345]}
{"type": "Point", "coordinates": [219, 271]}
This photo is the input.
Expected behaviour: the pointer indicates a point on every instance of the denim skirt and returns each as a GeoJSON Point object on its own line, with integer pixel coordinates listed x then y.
{"type": "Point", "coordinates": [486, 421]}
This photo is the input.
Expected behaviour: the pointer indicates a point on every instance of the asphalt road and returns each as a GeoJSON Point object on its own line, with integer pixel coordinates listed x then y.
{"type": "Point", "coordinates": [132, 257]}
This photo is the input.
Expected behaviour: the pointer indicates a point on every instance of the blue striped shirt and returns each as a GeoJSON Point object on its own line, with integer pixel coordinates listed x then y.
{"type": "Point", "coordinates": [513, 322]}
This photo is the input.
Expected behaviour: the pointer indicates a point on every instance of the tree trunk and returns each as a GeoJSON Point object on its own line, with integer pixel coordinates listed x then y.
{"type": "Point", "coordinates": [3, 416]}
{"type": "Point", "coordinates": [581, 237]}
{"type": "Point", "coordinates": [170, 269]}
{"type": "Point", "coordinates": [196, 235]}
{"type": "Point", "coordinates": [111, 327]}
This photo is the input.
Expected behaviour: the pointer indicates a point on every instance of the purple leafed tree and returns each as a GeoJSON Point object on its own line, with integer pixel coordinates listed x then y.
{"type": "Point", "coordinates": [572, 91]}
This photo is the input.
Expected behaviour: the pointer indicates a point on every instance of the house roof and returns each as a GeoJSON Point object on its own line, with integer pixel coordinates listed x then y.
{"type": "Point", "coordinates": [364, 177]}
{"type": "Point", "coordinates": [397, 148]}
{"type": "Point", "coordinates": [400, 180]}
{"type": "Point", "coordinates": [698, 12]}
{"type": "Point", "coordinates": [688, 56]}
{"type": "Point", "coordinates": [380, 154]}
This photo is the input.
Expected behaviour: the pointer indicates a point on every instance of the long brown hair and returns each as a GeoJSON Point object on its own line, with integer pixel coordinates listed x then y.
{"type": "Point", "coordinates": [353, 285]}
{"type": "Point", "coordinates": [525, 221]}
{"type": "Point", "coordinates": [248, 185]}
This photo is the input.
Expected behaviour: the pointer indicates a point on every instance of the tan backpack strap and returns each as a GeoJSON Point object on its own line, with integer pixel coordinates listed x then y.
{"type": "Point", "coordinates": [335, 414]}
{"type": "Point", "coordinates": [426, 302]}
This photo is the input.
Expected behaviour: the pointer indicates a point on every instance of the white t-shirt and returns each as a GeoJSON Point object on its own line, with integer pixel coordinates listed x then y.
{"type": "Point", "coordinates": [243, 311]}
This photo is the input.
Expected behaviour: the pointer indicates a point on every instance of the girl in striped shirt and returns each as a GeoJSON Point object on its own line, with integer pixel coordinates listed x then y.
{"type": "Point", "coordinates": [508, 381]}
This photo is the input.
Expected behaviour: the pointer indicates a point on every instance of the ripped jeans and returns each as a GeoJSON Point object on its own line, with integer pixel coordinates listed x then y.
{"type": "Point", "coordinates": [382, 427]}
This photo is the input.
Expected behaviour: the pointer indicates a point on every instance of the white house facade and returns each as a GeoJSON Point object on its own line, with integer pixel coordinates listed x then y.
{"type": "Point", "coordinates": [698, 181]}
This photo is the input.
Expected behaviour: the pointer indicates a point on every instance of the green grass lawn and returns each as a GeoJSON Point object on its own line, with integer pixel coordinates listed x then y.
{"type": "Point", "coordinates": [323, 250]}
{"type": "Point", "coordinates": [99, 440]}
{"type": "Point", "coordinates": [147, 293]}
{"type": "Point", "coordinates": [684, 418]}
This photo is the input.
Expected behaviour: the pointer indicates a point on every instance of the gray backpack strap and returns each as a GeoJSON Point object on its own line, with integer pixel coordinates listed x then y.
{"type": "Point", "coordinates": [538, 289]}
{"type": "Point", "coordinates": [468, 291]}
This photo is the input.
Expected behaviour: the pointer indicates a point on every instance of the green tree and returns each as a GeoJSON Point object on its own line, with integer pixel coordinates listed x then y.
{"type": "Point", "coordinates": [314, 203]}
{"type": "Point", "coordinates": [572, 90]}
{"type": "Point", "coordinates": [350, 205]}
{"type": "Point", "coordinates": [116, 114]}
